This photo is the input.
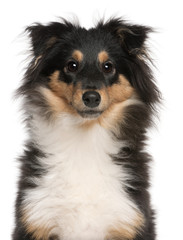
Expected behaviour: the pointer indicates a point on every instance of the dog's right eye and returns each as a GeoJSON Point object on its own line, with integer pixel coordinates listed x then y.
{"type": "Point", "coordinates": [72, 66]}
{"type": "Point", "coordinates": [107, 67]}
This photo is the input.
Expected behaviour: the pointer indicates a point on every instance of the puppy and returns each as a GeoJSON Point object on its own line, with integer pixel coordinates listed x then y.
{"type": "Point", "coordinates": [89, 98]}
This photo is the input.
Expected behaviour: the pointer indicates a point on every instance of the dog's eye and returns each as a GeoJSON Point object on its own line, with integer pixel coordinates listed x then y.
{"type": "Point", "coordinates": [107, 67]}
{"type": "Point", "coordinates": [72, 66]}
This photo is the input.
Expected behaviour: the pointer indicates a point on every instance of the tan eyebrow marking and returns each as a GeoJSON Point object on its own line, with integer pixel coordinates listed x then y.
{"type": "Point", "coordinates": [103, 56]}
{"type": "Point", "coordinates": [77, 55]}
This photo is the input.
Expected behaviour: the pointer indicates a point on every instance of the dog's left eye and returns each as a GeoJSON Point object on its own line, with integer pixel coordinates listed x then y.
{"type": "Point", "coordinates": [72, 66]}
{"type": "Point", "coordinates": [107, 67]}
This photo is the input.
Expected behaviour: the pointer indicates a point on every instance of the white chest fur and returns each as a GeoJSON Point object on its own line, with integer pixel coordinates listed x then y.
{"type": "Point", "coordinates": [81, 196]}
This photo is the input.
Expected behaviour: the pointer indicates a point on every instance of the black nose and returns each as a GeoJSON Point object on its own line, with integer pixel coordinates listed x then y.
{"type": "Point", "coordinates": [91, 99]}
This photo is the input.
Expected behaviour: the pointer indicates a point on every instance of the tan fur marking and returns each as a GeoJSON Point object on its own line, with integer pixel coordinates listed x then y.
{"type": "Point", "coordinates": [61, 89]}
{"type": "Point", "coordinates": [121, 91]}
{"type": "Point", "coordinates": [38, 230]}
{"type": "Point", "coordinates": [57, 105]}
{"type": "Point", "coordinates": [121, 233]}
{"type": "Point", "coordinates": [77, 55]}
{"type": "Point", "coordinates": [59, 96]}
{"type": "Point", "coordinates": [103, 56]}
{"type": "Point", "coordinates": [77, 98]}
{"type": "Point", "coordinates": [105, 98]}
{"type": "Point", "coordinates": [126, 231]}
{"type": "Point", "coordinates": [118, 94]}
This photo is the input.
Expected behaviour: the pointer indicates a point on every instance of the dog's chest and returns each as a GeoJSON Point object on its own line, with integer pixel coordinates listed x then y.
{"type": "Point", "coordinates": [81, 194]}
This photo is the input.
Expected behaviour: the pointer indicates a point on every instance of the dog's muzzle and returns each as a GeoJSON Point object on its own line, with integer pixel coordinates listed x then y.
{"type": "Point", "coordinates": [91, 101]}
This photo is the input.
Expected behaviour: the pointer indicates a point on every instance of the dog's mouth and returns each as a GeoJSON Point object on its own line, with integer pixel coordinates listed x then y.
{"type": "Point", "coordinates": [90, 114]}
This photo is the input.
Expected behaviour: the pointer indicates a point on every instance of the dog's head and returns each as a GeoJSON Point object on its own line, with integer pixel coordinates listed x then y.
{"type": "Point", "coordinates": [91, 73]}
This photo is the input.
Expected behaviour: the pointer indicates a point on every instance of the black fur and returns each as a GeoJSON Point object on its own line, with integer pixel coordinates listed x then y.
{"type": "Point", "coordinates": [126, 44]}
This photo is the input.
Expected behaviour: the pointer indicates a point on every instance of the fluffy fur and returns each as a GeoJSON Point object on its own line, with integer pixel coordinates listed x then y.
{"type": "Point", "coordinates": [89, 97]}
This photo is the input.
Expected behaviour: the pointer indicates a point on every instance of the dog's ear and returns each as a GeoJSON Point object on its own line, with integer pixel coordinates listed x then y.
{"type": "Point", "coordinates": [131, 37]}
{"type": "Point", "coordinates": [43, 37]}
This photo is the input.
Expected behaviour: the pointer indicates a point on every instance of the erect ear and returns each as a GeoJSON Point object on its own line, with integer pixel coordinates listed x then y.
{"type": "Point", "coordinates": [43, 37]}
{"type": "Point", "coordinates": [131, 37]}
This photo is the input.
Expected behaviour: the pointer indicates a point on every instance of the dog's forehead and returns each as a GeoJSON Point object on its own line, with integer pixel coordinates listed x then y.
{"type": "Point", "coordinates": [88, 55]}
{"type": "Point", "coordinates": [91, 45]}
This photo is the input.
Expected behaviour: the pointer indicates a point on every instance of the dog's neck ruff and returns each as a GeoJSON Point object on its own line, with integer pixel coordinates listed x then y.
{"type": "Point", "coordinates": [82, 195]}
{"type": "Point", "coordinates": [67, 131]}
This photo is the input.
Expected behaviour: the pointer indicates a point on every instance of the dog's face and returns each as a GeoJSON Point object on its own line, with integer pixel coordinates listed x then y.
{"type": "Point", "coordinates": [88, 80]}
{"type": "Point", "coordinates": [89, 73]}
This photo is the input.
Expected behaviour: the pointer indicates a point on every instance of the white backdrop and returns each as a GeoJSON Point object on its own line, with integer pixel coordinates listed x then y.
{"type": "Point", "coordinates": [166, 144]}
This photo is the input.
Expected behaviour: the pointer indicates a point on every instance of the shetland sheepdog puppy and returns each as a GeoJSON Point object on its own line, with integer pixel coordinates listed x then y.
{"type": "Point", "coordinates": [89, 98]}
